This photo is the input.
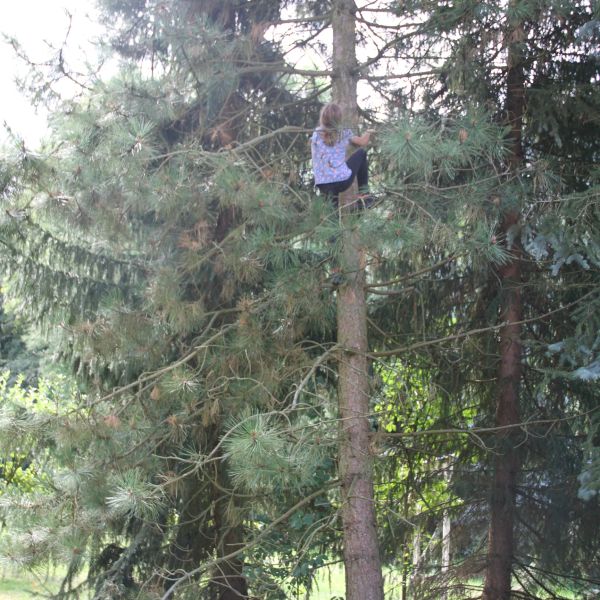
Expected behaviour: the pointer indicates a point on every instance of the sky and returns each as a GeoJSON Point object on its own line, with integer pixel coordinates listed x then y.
{"type": "Point", "coordinates": [38, 25]}
{"type": "Point", "coordinates": [41, 24]}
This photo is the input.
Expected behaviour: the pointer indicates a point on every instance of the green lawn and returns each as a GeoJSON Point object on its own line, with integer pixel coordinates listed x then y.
{"type": "Point", "coordinates": [329, 584]}
{"type": "Point", "coordinates": [15, 586]}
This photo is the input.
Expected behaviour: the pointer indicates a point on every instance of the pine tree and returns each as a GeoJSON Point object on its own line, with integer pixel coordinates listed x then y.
{"type": "Point", "coordinates": [143, 245]}
{"type": "Point", "coordinates": [364, 578]}
{"type": "Point", "coordinates": [535, 40]}
{"type": "Point", "coordinates": [169, 231]}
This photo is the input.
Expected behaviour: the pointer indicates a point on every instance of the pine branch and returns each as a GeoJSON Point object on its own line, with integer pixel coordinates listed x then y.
{"type": "Point", "coordinates": [325, 356]}
{"type": "Point", "coordinates": [250, 544]}
{"type": "Point", "coordinates": [414, 274]}
{"type": "Point", "coordinates": [145, 379]}
{"type": "Point", "coordinates": [472, 332]}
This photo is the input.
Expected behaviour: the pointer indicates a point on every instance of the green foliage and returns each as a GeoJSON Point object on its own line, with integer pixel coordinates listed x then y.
{"type": "Point", "coordinates": [131, 495]}
{"type": "Point", "coordinates": [26, 416]}
{"type": "Point", "coordinates": [166, 237]}
{"type": "Point", "coordinates": [18, 353]}
{"type": "Point", "coordinates": [436, 152]}
{"type": "Point", "coordinates": [270, 454]}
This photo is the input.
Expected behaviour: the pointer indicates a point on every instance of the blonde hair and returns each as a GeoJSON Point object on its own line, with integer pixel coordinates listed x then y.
{"type": "Point", "coordinates": [330, 121]}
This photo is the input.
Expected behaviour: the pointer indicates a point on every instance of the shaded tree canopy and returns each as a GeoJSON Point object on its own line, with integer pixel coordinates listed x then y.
{"type": "Point", "coordinates": [168, 238]}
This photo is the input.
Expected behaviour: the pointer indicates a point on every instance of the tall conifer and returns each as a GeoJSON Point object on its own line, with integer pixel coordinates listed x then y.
{"type": "Point", "coordinates": [361, 548]}
{"type": "Point", "coordinates": [168, 236]}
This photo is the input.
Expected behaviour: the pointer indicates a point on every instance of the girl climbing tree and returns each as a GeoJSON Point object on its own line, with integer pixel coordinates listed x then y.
{"type": "Point", "coordinates": [333, 172]}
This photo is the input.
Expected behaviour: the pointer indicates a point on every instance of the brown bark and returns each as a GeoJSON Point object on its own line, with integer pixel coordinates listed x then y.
{"type": "Point", "coordinates": [197, 538]}
{"type": "Point", "coordinates": [506, 465]}
{"type": "Point", "coordinates": [193, 541]}
{"type": "Point", "coordinates": [361, 552]}
{"type": "Point", "coordinates": [227, 580]}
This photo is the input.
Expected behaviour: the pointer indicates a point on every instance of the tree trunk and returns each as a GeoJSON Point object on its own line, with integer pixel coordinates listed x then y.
{"type": "Point", "coordinates": [506, 464]}
{"type": "Point", "coordinates": [446, 531]}
{"type": "Point", "coordinates": [192, 544]}
{"type": "Point", "coordinates": [196, 540]}
{"type": "Point", "coordinates": [227, 580]}
{"type": "Point", "coordinates": [361, 552]}
{"type": "Point", "coordinates": [502, 502]}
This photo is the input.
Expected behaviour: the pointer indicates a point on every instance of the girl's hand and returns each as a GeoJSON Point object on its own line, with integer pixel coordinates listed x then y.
{"type": "Point", "coordinates": [363, 140]}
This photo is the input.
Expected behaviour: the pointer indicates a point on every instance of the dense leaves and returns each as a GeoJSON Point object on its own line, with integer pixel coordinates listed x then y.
{"type": "Point", "coordinates": [167, 240]}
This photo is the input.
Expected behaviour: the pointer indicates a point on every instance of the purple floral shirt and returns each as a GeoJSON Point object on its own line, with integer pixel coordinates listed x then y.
{"type": "Point", "coordinates": [329, 162]}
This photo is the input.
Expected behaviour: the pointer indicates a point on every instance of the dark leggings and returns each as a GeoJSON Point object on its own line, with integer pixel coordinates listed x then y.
{"type": "Point", "coordinates": [359, 166]}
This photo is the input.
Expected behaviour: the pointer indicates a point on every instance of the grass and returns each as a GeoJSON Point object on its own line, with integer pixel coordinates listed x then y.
{"type": "Point", "coordinates": [329, 584]}
{"type": "Point", "coordinates": [24, 586]}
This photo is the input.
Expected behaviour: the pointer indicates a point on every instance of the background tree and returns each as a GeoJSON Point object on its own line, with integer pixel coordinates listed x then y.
{"type": "Point", "coordinates": [499, 56]}
{"type": "Point", "coordinates": [127, 247]}
{"type": "Point", "coordinates": [169, 231]}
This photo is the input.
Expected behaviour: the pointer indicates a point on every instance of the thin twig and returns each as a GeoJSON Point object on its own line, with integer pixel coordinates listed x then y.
{"type": "Point", "coordinates": [466, 334]}
{"type": "Point", "coordinates": [313, 368]}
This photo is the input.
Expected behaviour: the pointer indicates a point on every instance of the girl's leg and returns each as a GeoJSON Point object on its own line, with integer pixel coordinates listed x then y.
{"type": "Point", "coordinates": [359, 166]}
{"type": "Point", "coordinates": [333, 190]}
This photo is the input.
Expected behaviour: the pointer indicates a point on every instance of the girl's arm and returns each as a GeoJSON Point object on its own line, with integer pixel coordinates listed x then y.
{"type": "Point", "coordinates": [362, 140]}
